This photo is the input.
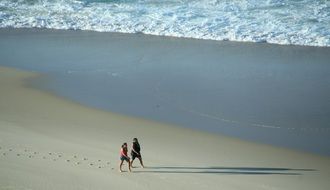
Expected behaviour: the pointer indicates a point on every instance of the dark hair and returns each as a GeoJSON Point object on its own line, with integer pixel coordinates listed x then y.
{"type": "Point", "coordinates": [123, 145]}
{"type": "Point", "coordinates": [135, 139]}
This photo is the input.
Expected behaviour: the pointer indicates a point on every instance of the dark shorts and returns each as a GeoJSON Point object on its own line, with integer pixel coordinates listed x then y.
{"type": "Point", "coordinates": [134, 155]}
{"type": "Point", "coordinates": [122, 158]}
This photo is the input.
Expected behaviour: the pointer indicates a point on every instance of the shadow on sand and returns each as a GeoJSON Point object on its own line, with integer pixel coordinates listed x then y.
{"type": "Point", "coordinates": [225, 170]}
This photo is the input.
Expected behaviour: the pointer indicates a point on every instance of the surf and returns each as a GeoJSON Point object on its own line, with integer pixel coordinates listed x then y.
{"type": "Point", "coordinates": [286, 22]}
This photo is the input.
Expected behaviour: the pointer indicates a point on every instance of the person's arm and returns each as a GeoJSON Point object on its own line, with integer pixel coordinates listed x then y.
{"type": "Point", "coordinates": [135, 150]}
{"type": "Point", "coordinates": [126, 155]}
{"type": "Point", "coordinates": [122, 153]}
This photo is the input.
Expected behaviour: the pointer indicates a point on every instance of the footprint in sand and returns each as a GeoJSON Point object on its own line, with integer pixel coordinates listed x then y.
{"type": "Point", "coordinates": [56, 159]}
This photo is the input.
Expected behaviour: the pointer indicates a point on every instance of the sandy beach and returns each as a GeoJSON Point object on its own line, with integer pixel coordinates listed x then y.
{"type": "Point", "coordinates": [51, 143]}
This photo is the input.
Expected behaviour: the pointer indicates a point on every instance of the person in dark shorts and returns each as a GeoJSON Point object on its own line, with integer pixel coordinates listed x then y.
{"type": "Point", "coordinates": [124, 157]}
{"type": "Point", "coordinates": [136, 152]}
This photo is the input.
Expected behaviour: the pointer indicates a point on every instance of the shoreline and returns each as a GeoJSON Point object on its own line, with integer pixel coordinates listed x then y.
{"type": "Point", "coordinates": [10, 30]}
{"type": "Point", "coordinates": [258, 92]}
{"type": "Point", "coordinates": [70, 146]}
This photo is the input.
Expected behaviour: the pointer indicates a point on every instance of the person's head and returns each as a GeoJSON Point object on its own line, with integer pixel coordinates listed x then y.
{"type": "Point", "coordinates": [124, 145]}
{"type": "Point", "coordinates": [135, 140]}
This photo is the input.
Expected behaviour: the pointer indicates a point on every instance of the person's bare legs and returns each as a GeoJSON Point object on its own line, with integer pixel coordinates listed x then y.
{"type": "Point", "coordinates": [132, 163]}
{"type": "Point", "coordinates": [129, 166]}
{"type": "Point", "coordinates": [141, 162]}
{"type": "Point", "coordinates": [120, 165]}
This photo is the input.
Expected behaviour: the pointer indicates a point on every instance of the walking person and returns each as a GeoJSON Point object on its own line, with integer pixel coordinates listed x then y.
{"type": "Point", "coordinates": [136, 152]}
{"type": "Point", "coordinates": [124, 157]}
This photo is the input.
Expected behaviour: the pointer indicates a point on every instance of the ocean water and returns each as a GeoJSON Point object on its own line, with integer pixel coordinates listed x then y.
{"type": "Point", "coordinates": [292, 22]}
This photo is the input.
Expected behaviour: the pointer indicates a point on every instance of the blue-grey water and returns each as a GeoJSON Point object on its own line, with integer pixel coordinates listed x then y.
{"type": "Point", "coordinates": [299, 22]}
{"type": "Point", "coordinates": [272, 94]}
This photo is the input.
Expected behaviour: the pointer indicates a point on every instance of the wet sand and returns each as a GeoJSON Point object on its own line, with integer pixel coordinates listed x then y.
{"type": "Point", "coordinates": [260, 92]}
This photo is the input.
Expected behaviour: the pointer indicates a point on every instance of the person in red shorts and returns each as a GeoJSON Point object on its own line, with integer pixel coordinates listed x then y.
{"type": "Point", "coordinates": [124, 157]}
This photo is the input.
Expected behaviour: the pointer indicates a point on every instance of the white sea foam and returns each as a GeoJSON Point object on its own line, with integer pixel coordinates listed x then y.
{"type": "Point", "coordinates": [299, 22]}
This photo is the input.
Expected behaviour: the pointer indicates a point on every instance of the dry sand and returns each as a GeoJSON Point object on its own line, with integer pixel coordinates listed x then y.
{"type": "Point", "coordinates": [51, 143]}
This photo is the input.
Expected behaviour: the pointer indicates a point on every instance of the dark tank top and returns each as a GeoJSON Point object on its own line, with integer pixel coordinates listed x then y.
{"type": "Point", "coordinates": [136, 147]}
